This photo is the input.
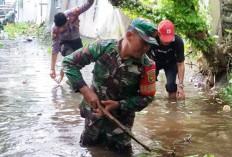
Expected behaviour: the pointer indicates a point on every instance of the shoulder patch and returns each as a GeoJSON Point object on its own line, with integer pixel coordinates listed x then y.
{"type": "Point", "coordinates": [151, 76]}
{"type": "Point", "coordinates": [54, 34]}
{"type": "Point", "coordinates": [148, 82]}
{"type": "Point", "coordinates": [86, 50]}
{"type": "Point", "coordinates": [75, 11]}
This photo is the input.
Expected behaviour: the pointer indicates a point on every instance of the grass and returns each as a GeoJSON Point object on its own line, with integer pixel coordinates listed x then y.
{"type": "Point", "coordinates": [86, 40]}
{"type": "Point", "coordinates": [226, 92]}
{"type": "Point", "coordinates": [18, 29]}
{"type": "Point", "coordinates": [1, 46]}
{"type": "Point", "coordinates": [23, 29]}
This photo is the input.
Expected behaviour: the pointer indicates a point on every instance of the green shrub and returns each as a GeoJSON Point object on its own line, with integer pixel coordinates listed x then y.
{"type": "Point", "coordinates": [226, 92]}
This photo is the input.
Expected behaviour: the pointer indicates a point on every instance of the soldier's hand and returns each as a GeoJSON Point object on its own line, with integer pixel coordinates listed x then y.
{"type": "Point", "coordinates": [110, 104]}
{"type": "Point", "coordinates": [90, 96]}
{"type": "Point", "coordinates": [53, 73]}
{"type": "Point", "coordinates": [98, 112]}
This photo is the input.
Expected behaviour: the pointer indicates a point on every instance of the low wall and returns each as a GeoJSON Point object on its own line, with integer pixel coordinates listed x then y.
{"type": "Point", "coordinates": [226, 15]}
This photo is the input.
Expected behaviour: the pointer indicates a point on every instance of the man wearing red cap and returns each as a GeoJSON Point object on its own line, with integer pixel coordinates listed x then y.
{"type": "Point", "coordinates": [169, 55]}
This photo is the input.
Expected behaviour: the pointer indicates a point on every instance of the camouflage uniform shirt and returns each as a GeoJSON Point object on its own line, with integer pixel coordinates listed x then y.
{"type": "Point", "coordinates": [113, 78]}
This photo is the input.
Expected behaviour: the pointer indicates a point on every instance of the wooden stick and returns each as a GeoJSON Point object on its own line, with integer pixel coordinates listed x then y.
{"type": "Point", "coordinates": [125, 129]}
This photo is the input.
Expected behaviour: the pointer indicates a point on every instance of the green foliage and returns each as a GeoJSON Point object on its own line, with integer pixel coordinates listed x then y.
{"type": "Point", "coordinates": [14, 30]}
{"type": "Point", "coordinates": [226, 92]}
{"type": "Point", "coordinates": [49, 50]}
{"type": "Point", "coordinates": [86, 41]}
{"type": "Point", "coordinates": [116, 2]}
{"type": "Point", "coordinates": [29, 30]}
{"type": "Point", "coordinates": [210, 155]}
{"type": "Point", "coordinates": [22, 29]}
{"type": "Point", "coordinates": [203, 46]}
{"type": "Point", "coordinates": [1, 46]}
{"type": "Point", "coordinates": [229, 35]}
{"type": "Point", "coordinates": [189, 17]}
{"type": "Point", "coordinates": [43, 35]}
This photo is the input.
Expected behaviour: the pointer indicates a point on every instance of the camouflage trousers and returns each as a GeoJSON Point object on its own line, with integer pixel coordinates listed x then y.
{"type": "Point", "coordinates": [102, 130]}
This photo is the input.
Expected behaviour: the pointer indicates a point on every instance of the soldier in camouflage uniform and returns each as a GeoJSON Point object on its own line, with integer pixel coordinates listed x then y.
{"type": "Point", "coordinates": [65, 35]}
{"type": "Point", "coordinates": [119, 66]}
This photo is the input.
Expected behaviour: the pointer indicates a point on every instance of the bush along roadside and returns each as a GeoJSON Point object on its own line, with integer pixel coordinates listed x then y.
{"type": "Point", "coordinates": [28, 31]}
{"type": "Point", "coordinates": [226, 92]}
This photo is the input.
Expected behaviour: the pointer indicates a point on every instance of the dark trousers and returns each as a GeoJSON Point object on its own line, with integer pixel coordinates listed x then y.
{"type": "Point", "coordinates": [171, 71]}
{"type": "Point", "coordinates": [69, 46]}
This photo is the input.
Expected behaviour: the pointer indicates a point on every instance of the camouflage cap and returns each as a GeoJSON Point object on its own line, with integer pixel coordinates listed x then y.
{"type": "Point", "coordinates": [145, 29]}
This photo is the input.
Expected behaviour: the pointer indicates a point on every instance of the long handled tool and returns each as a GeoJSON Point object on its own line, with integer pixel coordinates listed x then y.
{"type": "Point", "coordinates": [125, 129]}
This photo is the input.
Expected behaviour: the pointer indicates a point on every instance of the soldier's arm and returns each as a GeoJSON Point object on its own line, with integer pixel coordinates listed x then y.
{"type": "Point", "coordinates": [146, 92]}
{"type": "Point", "coordinates": [136, 103]}
{"type": "Point", "coordinates": [73, 63]}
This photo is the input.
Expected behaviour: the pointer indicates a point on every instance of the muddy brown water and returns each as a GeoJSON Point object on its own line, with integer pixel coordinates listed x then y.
{"type": "Point", "coordinates": [39, 118]}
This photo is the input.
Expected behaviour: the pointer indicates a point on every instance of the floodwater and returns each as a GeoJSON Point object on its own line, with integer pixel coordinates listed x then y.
{"type": "Point", "coordinates": [39, 118]}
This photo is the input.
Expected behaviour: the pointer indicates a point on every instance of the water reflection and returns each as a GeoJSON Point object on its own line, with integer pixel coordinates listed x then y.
{"type": "Point", "coordinates": [57, 95]}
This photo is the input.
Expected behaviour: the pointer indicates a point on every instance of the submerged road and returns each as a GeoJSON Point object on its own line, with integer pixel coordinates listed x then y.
{"type": "Point", "coordinates": [41, 118]}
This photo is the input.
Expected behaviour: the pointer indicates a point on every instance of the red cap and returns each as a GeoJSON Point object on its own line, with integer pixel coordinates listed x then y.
{"type": "Point", "coordinates": [166, 31]}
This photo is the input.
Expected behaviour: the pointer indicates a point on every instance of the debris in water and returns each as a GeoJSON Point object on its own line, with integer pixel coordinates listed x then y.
{"type": "Point", "coordinates": [29, 39]}
{"type": "Point", "coordinates": [141, 113]}
{"type": "Point", "coordinates": [187, 139]}
{"type": "Point", "coordinates": [226, 108]}
{"type": "Point", "coordinates": [25, 81]}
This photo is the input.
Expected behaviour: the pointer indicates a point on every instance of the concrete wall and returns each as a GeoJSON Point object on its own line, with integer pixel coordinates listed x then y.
{"type": "Point", "coordinates": [32, 10]}
{"type": "Point", "coordinates": [101, 20]}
